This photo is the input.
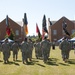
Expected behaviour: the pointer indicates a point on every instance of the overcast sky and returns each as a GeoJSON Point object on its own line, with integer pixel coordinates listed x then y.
{"type": "Point", "coordinates": [35, 9]}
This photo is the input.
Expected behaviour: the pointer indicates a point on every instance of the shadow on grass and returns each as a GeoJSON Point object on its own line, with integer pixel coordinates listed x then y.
{"type": "Point", "coordinates": [30, 63]}
{"type": "Point", "coordinates": [71, 61]}
{"type": "Point", "coordinates": [1, 61]}
{"type": "Point", "coordinates": [64, 64]}
{"type": "Point", "coordinates": [40, 65]}
{"type": "Point", "coordinates": [34, 61]}
{"type": "Point", "coordinates": [10, 63]}
{"type": "Point", "coordinates": [52, 61]}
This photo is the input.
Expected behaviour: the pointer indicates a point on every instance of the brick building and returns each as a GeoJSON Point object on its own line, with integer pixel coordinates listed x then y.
{"type": "Point", "coordinates": [16, 28]}
{"type": "Point", "coordinates": [56, 31]}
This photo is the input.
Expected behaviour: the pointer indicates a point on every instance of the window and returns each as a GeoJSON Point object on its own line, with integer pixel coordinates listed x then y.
{"type": "Point", "coordinates": [17, 32]}
{"type": "Point", "coordinates": [54, 32]}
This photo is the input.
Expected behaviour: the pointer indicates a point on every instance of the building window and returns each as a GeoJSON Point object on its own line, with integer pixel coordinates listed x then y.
{"type": "Point", "coordinates": [73, 31]}
{"type": "Point", "coordinates": [54, 32]}
{"type": "Point", "coordinates": [17, 32]}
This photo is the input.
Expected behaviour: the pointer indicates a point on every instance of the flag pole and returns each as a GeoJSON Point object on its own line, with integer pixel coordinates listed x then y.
{"type": "Point", "coordinates": [24, 29]}
{"type": "Point", "coordinates": [49, 29]}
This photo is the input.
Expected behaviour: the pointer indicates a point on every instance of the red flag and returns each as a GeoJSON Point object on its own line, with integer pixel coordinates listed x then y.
{"type": "Point", "coordinates": [8, 31]}
{"type": "Point", "coordinates": [38, 31]}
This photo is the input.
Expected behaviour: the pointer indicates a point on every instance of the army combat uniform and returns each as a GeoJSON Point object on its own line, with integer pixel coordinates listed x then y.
{"type": "Point", "coordinates": [65, 47]}
{"type": "Point", "coordinates": [6, 51]}
{"type": "Point", "coordinates": [45, 44]}
{"type": "Point", "coordinates": [24, 50]}
{"type": "Point", "coordinates": [38, 51]}
{"type": "Point", "coordinates": [30, 49]}
{"type": "Point", "coordinates": [15, 49]}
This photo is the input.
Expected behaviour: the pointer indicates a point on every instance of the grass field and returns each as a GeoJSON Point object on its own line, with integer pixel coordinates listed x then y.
{"type": "Point", "coordinates": [55, 65]}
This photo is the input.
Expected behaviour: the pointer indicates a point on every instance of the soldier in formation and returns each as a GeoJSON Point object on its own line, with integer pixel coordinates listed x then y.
{"type": "Point", "coordinates": [38, 51]}
{"type": "Point", "coordinates": [65, 47]}
{"type": "Point", "coordinates": [30, 46]}
{"type": "Point", "coordinates": [45, 45]}
{"type": "Point", "coordinates": [6, 51]}
{"type": "Point", "coordinates": [24, 50]}
{"type": "Point", "coordinates": [15, 49]}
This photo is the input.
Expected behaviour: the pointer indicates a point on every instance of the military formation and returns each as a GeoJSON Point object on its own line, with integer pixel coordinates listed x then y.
{"type": "Point", "coordinates": [42, 50]}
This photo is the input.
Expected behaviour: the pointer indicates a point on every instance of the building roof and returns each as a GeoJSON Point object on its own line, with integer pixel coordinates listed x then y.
{"type": "Point", "coordinates": [20, 23]}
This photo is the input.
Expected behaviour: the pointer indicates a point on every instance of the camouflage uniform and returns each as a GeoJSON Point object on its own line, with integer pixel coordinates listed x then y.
{"type": "Point", "coordinates": [45, 49]}
{"type": "Point", "coordinates": [30, 47]}
{"type": "Point", "coordinates": [15, 49]}
{"type": "Point", "coordinates": [48, 48]}
{"type": "Point", "coordinates": [38, 51]}
{"type": "Point", "coordinates": [6, 51]}
{"type": "Point", "coordinates": [65, 47]}
{"type": "Point", "coordinates": [0, 49]}
{"type": "Point", "coordinates": [24, 49]}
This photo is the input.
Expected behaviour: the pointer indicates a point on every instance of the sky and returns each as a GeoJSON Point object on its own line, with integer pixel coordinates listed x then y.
{"type": "Point", "coordinates": [35, 10]}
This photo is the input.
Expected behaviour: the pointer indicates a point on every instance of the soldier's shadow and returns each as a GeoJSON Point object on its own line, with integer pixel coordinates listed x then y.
{"type": "Point", "coordinates": [52, 61]}
{"type": "Point", "coordinates": [15, 63]}
{"type": "Point", "coordinates": [30, 63]}
{"type": "Point", "coordinates": [71, 61]}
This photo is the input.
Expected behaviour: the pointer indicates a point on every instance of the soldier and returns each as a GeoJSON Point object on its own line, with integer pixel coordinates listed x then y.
{"type": "Point", "coordinates": [15, 49]}
{"type": "Point", "coordinates": [48, 48]}
{"type": "Point", "coordinates": [0, 48]}
{"type": "Point", "coordinates": [74, 47]}
{"type": "Point", "coordinates": [24, 50]}
{"type": "Point", "coordinates": [53, 45]}
{"type": "Point", "coordinates": [38, 52]}
{"type": "Point", "coordinates": [30, 44]}
{"type": "Point", "coordinates": [45, 44]}
{"type": "Point", "coordinates": [6, 51]}
{"type": "Point", "coordinates": [65, 47]}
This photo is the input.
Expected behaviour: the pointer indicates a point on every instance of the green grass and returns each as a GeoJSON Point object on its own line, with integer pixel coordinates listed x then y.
{"type": "Point", "coordinates": [55, 65]}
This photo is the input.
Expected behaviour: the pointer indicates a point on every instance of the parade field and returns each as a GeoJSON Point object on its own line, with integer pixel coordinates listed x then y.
{"type": "Point", "coordinates": [54, 66]}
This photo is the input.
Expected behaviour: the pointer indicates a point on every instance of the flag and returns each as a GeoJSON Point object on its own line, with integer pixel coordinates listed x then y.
{"type": "Point", "coordinates": [44, 28]}
{"type": "Point", "coordinates": [64, 24]}
{"type": "Point", "coordinates": [44, 24]}
{"type": "Point", "coordinates": [25, 24]}
{"type": "Point", "coordinates": [38, 31]}
{"type": "Point", "coordinates": [8, 31]}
